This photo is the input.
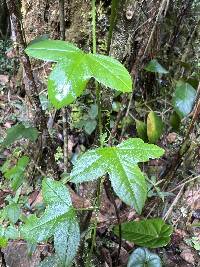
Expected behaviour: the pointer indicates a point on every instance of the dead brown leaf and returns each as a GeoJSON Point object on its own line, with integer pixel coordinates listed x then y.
{"type": "Point", "coordinates": [4, 79]}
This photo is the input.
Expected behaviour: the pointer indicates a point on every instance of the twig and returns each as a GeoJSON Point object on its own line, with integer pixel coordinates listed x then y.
{"type": "Point", "coordinates": [187, 182]}
{"type": "Point", "coordinates": [167, 214]}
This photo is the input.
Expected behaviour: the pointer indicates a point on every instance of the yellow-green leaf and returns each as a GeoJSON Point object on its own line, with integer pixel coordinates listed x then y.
{"type": "Point", "coordinates": [154, 127]}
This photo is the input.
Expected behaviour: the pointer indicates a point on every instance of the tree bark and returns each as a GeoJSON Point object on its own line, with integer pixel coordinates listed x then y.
{"type": "Point", "coordinates": [40, 120]}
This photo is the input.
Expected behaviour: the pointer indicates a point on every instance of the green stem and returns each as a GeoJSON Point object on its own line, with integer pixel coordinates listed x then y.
{"type": "Point", "coordinates": [94, 49]}
{"type": "Point", "coordinates": [98, 96]}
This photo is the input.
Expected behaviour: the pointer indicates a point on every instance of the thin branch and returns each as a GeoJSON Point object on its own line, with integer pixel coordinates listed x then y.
{"type": "Point", "coordinates": [174, 203]}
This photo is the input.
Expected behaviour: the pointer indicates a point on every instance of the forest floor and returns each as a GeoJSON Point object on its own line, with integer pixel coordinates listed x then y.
{"type": "Point", "coordinates": [181, 205]}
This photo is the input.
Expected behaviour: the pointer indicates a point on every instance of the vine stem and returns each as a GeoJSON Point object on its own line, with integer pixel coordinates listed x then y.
{"type": "Point", "coordinates": [98, 96]}
{"type": "Point", "coordinates": [94, 50]}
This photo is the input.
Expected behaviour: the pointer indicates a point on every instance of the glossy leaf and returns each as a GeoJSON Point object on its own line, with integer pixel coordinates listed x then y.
{"type": "Point", "coordinates": [67, 81]}
{"type": "Point", "coordinates": [154, 66]}
{"type": "Point", "coordinates": [74, 69]}
{"type": "Point", "coordinates": [154, 127]}
{"type": "Point", "coordinates": [120, 163]}
{"type": "Point", "coordinates": [152, 233]}
{"type": "Point", "coordinates": [16, 174]}
{"type": "Point", "coordinates": [141, 128]}
{"type": "Point", "coordinates": [184, 98]}
{"type": "Point", "coordinates": [52, 50]}
{"type": "Point", "coordinates": [19, 131]}
{"type": "Point", "coordinates": [109, 72]}
{"type": "Point", "coordinates": [141, 257]}
{"type": "Point", "coordinates": [58, 219]}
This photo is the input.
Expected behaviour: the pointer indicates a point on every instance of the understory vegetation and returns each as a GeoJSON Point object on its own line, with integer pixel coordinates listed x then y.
{"type": "Point", "coordinates": [100, 136]}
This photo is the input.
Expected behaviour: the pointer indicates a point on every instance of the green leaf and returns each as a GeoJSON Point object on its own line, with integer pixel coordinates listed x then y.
{"type": "Point", "coordinates": [154, 66]}
{"type": "Point", "coordinates": [116, 106]}
{"type": "Point", "coordinates": [120, 163]}
{"type": "Point", "coordinates": [11, 233]}
{"type": "Point", "coordinates": [3, 239]}
{"type": "Point", "coordinates": [13, 212]}
{"type": "Point", "coordinates": [66, 239]}
{"type": "Point", "coordinates": [51, 261]}
{"type": "Point", "coordinates": [175, 121]}
{"type": "Point", "coordinates": [3, 242]}
{"type": "Point", "coordinates": [74, 69]}
{"type": "Point", "coordinates": [141, 128]}
{"type": "Point", "coordinates": [90, 126]}
{"type": "Point", "coordinates": [19, 131]}
{"type": "Point", "coordinates": [141, 257]}
{"type": "Point", "coordinates": [184, 98]}
{"type": "Point", "coordinates": [109, 72]}
{"type": "Point", "coordinates": [93, 112]}
{"type": "Point", "coordinates": [58, 219]}
{"type": "Point", "coordinates": [67, 81]}
{"type": "Point", "coordinates": [154, 127]}
{"type": "Point", "coordinates": [51, 50]}
{"type": "Point", "coordinates": [16, 174]}
{"type": "Point", "coordinates": [152, 233]}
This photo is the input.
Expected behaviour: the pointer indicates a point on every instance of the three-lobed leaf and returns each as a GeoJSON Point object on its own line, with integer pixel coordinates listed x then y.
{"type": "Point", "coordinates": [152, 233]}
{"type": "Point", "coordinates": [58, 219]}
{"type": "Point", "coordinates": [141, 257]}
{"type": "Point", "coordinates": [74, 68]}
{"type": "Point", "coordinates": [184, 98]}
{"type": "Point", "coordinates": [120, 163]}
